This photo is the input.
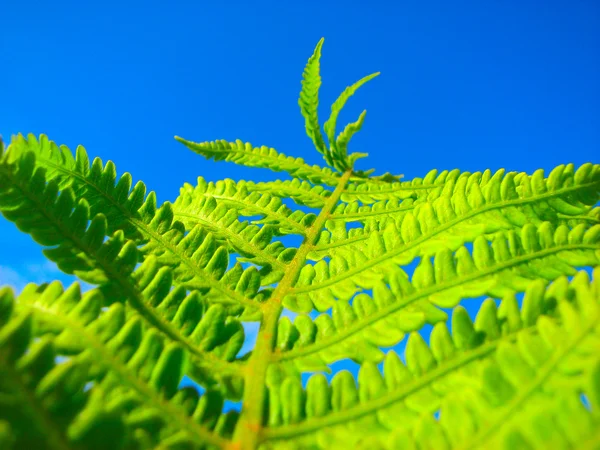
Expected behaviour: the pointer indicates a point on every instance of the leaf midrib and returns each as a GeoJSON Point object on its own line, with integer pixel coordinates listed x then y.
{"type": "Point", "coordinates": [242, 244]}
{"type": "Point", "coordinates": [356, 193]}
{"type": "Point", "coordinates": [263, 211]}
{"type": "Point", "coordinates": [318, 172]}
{"type": "Point", "coordinates": [293, 191]}
{"type": "Point", "coordinates": [360, 214]}
{"type": "Point", "coordinates": [250, 426]}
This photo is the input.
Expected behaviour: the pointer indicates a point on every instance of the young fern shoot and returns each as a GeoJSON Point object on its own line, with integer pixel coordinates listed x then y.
{"type": "Point", "coordinates": [173, 286]}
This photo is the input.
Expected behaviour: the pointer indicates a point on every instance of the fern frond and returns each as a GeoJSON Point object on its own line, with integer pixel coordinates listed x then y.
{"type": "Point", "coordinates": [199, 262]}
{"type": "Point", "coordinates": [506, 184]}
{"type": "Point", "coordinates": [369, 191]}
{"type": "Point", "coordinates": [219, 214]}
{"type": "Point", "coordinates": [125, 208]}
{"type": "Point", "coordinates": [358, 330]}
{"type": "Point", "coordinates": [376, 213]}
{"type": "Point", "coordinates": [136, 216]}
{"type": "Point", "coordinates": [469, 207]}
{"type": "Point", "coordinates": [197, 203]}
{"type": "Point", "coordinates": [339, 146]}
{"type": "Point", "coordinates": [309, 103]}
{"type": "Point", "coordinates": [261, 157]}
{"type": "Point", "coordinates": [252, 243]}
{"type": "Point", "coordinates": [176, 282]}
{"type": "Point", "coordinates": [446, 377]}
{"type": "Point", "coordinates": [561, 362]}
{"type": "Point", "coordinates": [135, 362]}
{"type": "Point", "coordinates": [302, 192]}
{"type": "Point", "coordinates": [344, 138]}
{"type": "Point", "coordinates": [44, 403]}
{"type": "Point", "coordinates": [512, 257]}
{"type": "Point", "coordinates": [78, 248]}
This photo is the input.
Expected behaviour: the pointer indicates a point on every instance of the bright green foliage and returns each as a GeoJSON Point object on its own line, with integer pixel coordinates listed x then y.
{"type": "Point", "coordinates": [174, 284]}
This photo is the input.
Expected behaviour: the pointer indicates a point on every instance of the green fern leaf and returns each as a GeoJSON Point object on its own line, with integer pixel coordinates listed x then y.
{"type": "Point", "coordinates": [123, 356]}
{"type": "Point", "coordinates": [459, 377]}
{"type": "Point", "coordinates": [309, 102]}
{"type": "Point", "coordinates": [80, 249]}
{"type": "Point", "coordinates": [377, 261]}
{"type": "Point", "coordinates": [340, 151]}
{"type": "Point", "coordinates": [262, 157]}
{"type": "Point", "coordinates": [43, 403]}
{"type": "Point", "coordinates": [135, 215]}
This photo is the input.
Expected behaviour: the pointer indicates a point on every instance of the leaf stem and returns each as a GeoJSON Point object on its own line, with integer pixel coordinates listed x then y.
{"type": "Point", "coordinates": [250, 427]}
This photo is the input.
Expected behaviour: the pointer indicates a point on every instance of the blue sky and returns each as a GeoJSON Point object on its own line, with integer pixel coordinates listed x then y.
{"type": "Point", "coordinates": [469, 85]}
